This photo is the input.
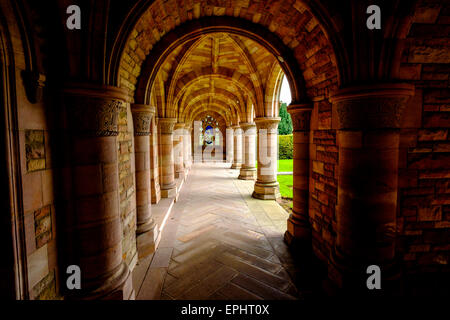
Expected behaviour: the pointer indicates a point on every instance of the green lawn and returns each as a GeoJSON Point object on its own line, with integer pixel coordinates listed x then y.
{"type": "Point", "coordinates": [286, 165]}
{"type": "Point", "coordinates": [283, 165]}
{"type": "Point", "coordinates": [286, 183]}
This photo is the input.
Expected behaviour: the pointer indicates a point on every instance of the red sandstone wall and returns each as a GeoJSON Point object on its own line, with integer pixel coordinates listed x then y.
{"type": "Point", "coordinates": [37, 169]}
{"type": "Point", "coordinates": [424, 179]}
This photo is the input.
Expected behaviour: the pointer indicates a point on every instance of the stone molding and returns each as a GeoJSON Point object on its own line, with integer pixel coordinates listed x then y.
{"type": "Point", "coordinates": [142, 119]}
{"type": "Point", "coordinates": [166, 125]}
{"type": "Point", "coordinates": [179, 125]}
{"type": "Point", "coordinates": [94, 110]}
{"type": "Point", "coordinates": [249, 128]}
{"type": "Point", "coordinates": [270, 123]}
{"type": "Point", "coordinates": [378, 106]}
{"type": "Point", "coordinates": [300, 115]}
{"type": "Point", "coordinates": [94, 116]}
{"type": "Point", "coordinates": [237, 130]}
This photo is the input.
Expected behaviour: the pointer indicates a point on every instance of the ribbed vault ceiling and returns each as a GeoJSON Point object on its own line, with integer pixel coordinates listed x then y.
{"type": "Point", "coordinates": [228, 74]}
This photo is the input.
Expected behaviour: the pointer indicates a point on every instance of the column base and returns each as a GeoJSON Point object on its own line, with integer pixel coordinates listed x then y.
{"type": "Point", "coordinates": [146, 240]}
{"type": "Point", "coordinates": [298, 232]}
{"type": "Point", "coordinates": [179, 174]}
{"type": "Point", "coordinates": [118, 286]}
{"type": "Point", "coordinates": [350, 277]}
{"type": "Point", "coordinates": [169, 191]}
{"type": "Point", "coordinates": [267, 191]}
{"type": "Point", "coordinates": [156, 195]}
{"type": "Point", "coordinates": [236, 166]}
{"type": "Point", "coordinates": [247, 174]}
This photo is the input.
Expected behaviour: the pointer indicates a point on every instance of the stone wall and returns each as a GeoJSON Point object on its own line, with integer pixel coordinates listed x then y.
{"type": "Point", "coordinates": [37, 169]}
{"type": "Point", "coordinates": [424, 179]}
{"type": "Point", "coordinates": [127, 189]}
{"type": "Point", "coordinates": [323, 178]}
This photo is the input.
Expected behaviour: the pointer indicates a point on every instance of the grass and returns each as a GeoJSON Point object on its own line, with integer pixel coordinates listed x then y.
{"type": "Point", "coordinates": [286, 183]}
{"type": "Point", "coordinates": [285, 165]}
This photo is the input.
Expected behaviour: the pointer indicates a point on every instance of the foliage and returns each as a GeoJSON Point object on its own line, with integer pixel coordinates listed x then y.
{"type": "Point", "coordinates": [285, 146]}
{"type": "Point", "coordinates": [285, 125]}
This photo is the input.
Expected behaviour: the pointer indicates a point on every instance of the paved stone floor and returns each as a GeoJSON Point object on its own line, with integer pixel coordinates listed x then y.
{"type": "Point", "coordinates": [219, 243]}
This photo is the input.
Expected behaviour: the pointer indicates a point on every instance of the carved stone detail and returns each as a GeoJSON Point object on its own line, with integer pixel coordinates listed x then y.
{"type": "Point", "coordinates": [142, 119]}
{"type": "Point", "coordinates": [371, 113]}
{"type": "Point", "coordinates": [267, 123]}
{"type": "Point", "coordinates": [248, 128]}
{"type": "Point", "coordinates": [94, 116]}
{"type": "Point", "coordinates": [372, 107]}
{"type": "Point", "coordinates": [34, 83]}
{"type": "Point", "coordinates": [301, 116]}
{"type": "Point", "coordinates": [166, 125]}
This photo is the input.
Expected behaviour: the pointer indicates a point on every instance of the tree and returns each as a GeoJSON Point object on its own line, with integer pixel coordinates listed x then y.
{"type": "Point", "coordinates": [285, 125]}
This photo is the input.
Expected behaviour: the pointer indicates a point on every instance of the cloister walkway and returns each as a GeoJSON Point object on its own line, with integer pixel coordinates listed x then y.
{"type": "Point", "coordinates": [219, 243]}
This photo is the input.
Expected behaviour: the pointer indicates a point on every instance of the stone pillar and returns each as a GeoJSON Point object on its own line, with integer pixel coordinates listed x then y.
{"type": "Point", "coordinates": [248, 169]}
{"type": "Point", "coordinates": [369, 122]}
{"type": "Point", "coordinates": [230, 144]}
{"type": "Point", "coordinates": [298, 232]}
{"type": "Point", "coordinates": [93, 229]}
{"type": "Point", "coordinates": [266, 185]}
{"type": "Point", "coordinates": [187, 146]}
{"type": "Point", "coordinates": [154, 163]}
{"type": "Point", "coordinates": [146, 232]}
{"type": "Point", "coordinates": [178, 150]}
{"type": "Point", "coordinates": [168, 185]}
{"type": "Point", "coordinates": [237, 147]}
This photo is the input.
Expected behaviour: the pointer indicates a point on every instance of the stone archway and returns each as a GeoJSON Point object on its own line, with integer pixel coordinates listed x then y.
{"type": "Point", "coordinates": [13, 265]}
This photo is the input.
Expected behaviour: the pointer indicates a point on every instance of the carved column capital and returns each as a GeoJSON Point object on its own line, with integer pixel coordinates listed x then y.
{"type": "Point", "coordinates": [142, 118]}
{"type": "Point", "coordinates": [300, 115]}
{"type": "Point", "coordinates": [237, 130]}
{"type": "Point", "coordinates": [179, 126]}
{"type": "Point", "coordinates": [166, 125]}
{"type": "Point", "coordinates": [249, 128]}
{"type": "Point", "coordinates": [188, 128]}
{"type": "Point", "coordinates": [270, 123]}
{"type": "Point", "coordinates": [372, 107]}
{"type": "Point", "coordinates": [94, 110]}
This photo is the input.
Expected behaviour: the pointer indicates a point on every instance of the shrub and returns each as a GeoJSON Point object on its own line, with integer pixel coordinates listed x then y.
{"type": "Point", "coordinates": [285, 125]}
{"type": "Point", "coordinates": [285, 146]}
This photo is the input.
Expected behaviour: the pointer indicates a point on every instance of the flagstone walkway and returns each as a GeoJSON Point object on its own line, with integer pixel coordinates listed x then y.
{"type": "Point", "coordinates": [219, 243]}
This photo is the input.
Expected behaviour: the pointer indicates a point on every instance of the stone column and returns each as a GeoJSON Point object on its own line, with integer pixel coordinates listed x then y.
{"type": "Point", "coordinates": [248, 169]}
{"type": "Point", "coordinates": [230, 144]}
{"type": "Point", "coordinates": [266, 185]}
{"type": "Point", "coordinates": [168, 185]}
{"type": "Point", "coordinates": [298, 232]}
{"type": "Point", "coordinates": [178, 150]}
{"type": "Point", "coordinates": [154, 163]}
{"type": "Point", "coordinates": [369, 122]}
{"type": "Point", "coordinates": [93, 229]}
{"type": "Point", "coordinates": [187, 146]}
{"type": "Point", "coordinates": [237, 147]}
{"type": "Point", "coordinates": [146, 231]}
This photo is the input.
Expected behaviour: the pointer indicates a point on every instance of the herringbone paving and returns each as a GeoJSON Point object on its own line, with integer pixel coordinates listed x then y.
{"type": "Point", "coordinates": [220, 243]}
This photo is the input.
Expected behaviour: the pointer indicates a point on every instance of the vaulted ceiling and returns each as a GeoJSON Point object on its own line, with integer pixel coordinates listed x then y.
{"type": "Point", "coordinates": [225, 73]}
